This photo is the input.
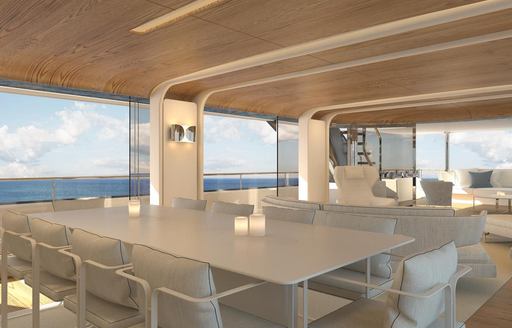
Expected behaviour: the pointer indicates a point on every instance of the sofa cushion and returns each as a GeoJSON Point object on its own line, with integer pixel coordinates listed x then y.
{"type": "Point", "coordinates": [501, 178]}
{"type": "Point", "coordinates": [380, 264]}
{"type": "Point", "coordinates": [418, 274]}
{"type": "Point", "coordinates": [15, 222]}
{"type": "Point", "coordinates": [392, 211]}
{"type": "Point", "coordinates": [105, 284]}
{"type": "Point", "coordinates": [183, 275]}
{"type": "Point", "coordinates": [480, 179]}
{"type": "Point", "coordinates": [288, 214]}
{"type": "Point", "coordinates": [289, 203]}
{"type": "Point", "coordinates": [56, 235]}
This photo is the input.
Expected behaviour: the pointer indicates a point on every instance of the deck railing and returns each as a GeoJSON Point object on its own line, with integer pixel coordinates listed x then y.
{"type": "Point", "coordinates": [249, 180]}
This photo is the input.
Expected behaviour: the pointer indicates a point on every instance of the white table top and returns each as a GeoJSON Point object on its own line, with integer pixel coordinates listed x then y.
{"type": "Point", "coordinates": [288, 254]}
{"type": "Point", "coordinates": [492, 193]}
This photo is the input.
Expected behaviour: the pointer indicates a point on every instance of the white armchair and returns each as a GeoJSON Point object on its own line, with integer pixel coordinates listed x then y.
{"type": "Point", "coordinates": [356, 185]}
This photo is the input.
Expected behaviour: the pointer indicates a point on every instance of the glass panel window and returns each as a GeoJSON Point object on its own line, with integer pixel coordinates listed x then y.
{"type": "Point", "coordinates": [52, 148]}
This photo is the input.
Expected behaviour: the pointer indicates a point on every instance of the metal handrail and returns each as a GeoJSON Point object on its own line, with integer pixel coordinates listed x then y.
{"type": "Point", "coordinates": [248, 173]}
{"type": "Point", "coordinates": [75, 177]}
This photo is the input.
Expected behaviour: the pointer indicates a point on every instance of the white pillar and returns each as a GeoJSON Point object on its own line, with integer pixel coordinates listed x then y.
{"type": "Point", "coordinates": [313, 157]}
{"type": "Point", "coordinates": [173, 165]}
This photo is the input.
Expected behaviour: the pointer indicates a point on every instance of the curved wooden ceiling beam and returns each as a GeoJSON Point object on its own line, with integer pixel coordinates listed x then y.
{"type": "Point", "coordinates": [345, 39]}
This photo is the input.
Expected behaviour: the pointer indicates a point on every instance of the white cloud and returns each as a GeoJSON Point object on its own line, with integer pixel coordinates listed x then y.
{"type": "Point", "coordinates": [493, 147]}
{"type": "Point", "coordinates": [225, 164]}
{"type": "Point", "coordinates": [17, 170]}
{"type": "Point", "coordinates": [219, 128]}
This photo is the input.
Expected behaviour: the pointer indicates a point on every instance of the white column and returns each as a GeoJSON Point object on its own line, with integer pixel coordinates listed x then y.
{"type": "Point", "coordinates": [173, 165]}
{"type": "Point", "coordinates": [313, 159]}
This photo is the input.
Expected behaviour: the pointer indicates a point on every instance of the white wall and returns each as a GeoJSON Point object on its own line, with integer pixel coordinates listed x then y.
{"type": "Point", "coordinates": [179, 174]}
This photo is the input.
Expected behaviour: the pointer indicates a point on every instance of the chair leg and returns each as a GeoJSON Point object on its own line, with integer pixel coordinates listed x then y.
{"type": "Point", "coordinates": [35, 287]}
{"type": "Point", "coordinates": [5, 282]}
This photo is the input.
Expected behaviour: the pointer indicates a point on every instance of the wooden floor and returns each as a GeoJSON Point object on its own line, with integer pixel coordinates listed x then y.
{"type": "Point", "coordinates": [20, 296]}
{"type": "Point", "coordinates": [496, 312]}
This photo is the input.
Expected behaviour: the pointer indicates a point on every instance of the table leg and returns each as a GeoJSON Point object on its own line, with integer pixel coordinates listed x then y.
{"type": "Point", "coordinates": [5, 280]}
{"type": "Point", "coordinates": [497, 204]}
{"type": "Point", "coordinates": [305, 313]}
{"type": "Point", "coordinates": [292, 306]}
{"type": "Point", "coordinates": [368, 276]}
{"type": "Point", "coordinates": [510, 206]}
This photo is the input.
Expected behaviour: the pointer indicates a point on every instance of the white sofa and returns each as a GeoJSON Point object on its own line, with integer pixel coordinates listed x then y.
{"type": "Point", "coordinates": [430, 226]}
{"type": "Point", "coordinates": [501, 180]}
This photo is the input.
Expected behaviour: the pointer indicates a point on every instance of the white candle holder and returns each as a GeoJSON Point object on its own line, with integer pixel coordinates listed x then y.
{"type": "Point", "coordinates": [241, 226]}
{"type": "Point", "coordinates": [257, 225]}
{"type": "Point", "coordinates": [134, 207]}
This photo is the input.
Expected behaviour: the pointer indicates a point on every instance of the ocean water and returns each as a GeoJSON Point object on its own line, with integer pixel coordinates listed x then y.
{"type": "Point", "coordinates": [46, 190]}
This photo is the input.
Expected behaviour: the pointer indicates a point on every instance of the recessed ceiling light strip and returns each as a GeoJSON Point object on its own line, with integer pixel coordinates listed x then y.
{"type": "Point", "coordinates": [176, 15]}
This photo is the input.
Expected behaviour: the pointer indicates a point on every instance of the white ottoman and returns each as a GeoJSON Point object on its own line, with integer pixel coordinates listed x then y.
{"type": "Point", "coordinates": [499, 225]}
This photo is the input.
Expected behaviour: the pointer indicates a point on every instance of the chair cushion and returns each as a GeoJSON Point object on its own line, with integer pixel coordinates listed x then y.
{"type": "Point", "coordinates": [330, 283]}
{"type": "Point", "coordinates": [363, 313]}
{"type": "Point", "coordinates": [288, 214]}
{"type": "Point", "coordinates": [18, 268]}
{"type": "Point", "coordinates": [380, 264]}
{"type": "Point", "coordinates": [104, 314]}
{"type": "Point", "coordinates": [191, 204]}
{"type": "Point", "coordinates": [353, 172]}
{"type": "Point", "coordinates": [18, 246]}
{"type": "Point", "coordinates": [15, 222]}
{"type": "Point", "coordinates": [393, 211]}
{"type": "Point", "coordinates": [52, 286]}
{"type": "Point", "coordinates": [233, 318]}
{"type": "Point", "coordinates": [184, 275]}
{"type": "Point", "coordinates": [105, 284]}
{"type": "Point", "coordinates": [473, 254]}
{"type": "Point", "coordinates": [232, 208]}
{"type": "Point", "coordinates": [417, 274]}
{"type": "Point", "coordinates": [56, 235]}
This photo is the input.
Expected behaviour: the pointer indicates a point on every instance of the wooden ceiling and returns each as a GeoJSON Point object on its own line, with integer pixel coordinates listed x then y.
{"type": "Point", "coordinates": [86, 44]}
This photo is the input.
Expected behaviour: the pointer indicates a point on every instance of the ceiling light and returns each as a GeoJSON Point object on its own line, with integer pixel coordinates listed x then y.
{"type": "Point", "coordinates": [176, 15]}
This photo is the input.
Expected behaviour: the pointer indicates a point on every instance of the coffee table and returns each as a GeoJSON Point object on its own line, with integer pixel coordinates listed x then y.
{"type": "Point", "coordinates": [495, 195]}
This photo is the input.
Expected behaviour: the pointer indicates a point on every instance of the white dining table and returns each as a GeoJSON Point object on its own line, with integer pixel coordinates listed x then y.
{"type": "Point", "coordinates": [289, 253]}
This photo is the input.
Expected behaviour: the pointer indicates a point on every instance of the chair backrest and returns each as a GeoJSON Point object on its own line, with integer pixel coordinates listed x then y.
{"type": "Point", "coordinates": [393, 211]}
{"type": "Point", "coordinates": [190, 277]}
{"type": "Point", "coordinates": [52, 260]}
{"type": "Point", "coordinates": [77, 204]}
{"type": "Point", "coordinates": [380, 264]}
{"type": "Point", "coordinates": [16, 224]}
{"type": "Point", "coordinates": [289, 203]}
{"type": "Point", "coordinates": [105, 284]}
{"type": "Point", "coordinates": [191, 204]}
{"type": "Point", "coordinates": [355, 184]}
{"type": "Point", "coordinates": [288, 214]}
{"type": "Point", "coordinates": [417, 274]}
{"type": "Point", "coordinates": [232, 208]}
{"type": "Point", "coordinates": [437, 192]}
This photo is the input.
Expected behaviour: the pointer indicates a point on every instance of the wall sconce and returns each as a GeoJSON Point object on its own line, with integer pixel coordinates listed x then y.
{"type": "Point", "coordinates": [182, 133]}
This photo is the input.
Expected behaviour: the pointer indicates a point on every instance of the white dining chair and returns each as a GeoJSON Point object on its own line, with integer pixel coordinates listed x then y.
{"type": "Point", "coordinates": [104, 298]}
{"type": "Point", "coordinates": [77, 204]}
{"type": "Point", "coordinates": [183, 293]}
{"type": "Point", "coordinates": [232, 208]}
{"type": "Point", "coordinates": [378, 270]}
{"type": "Point", "coordinates": [423, 295]}
{"type": "Point", "coordinates": [289, 214]}
{"type": "Point", "coordinates": [57, 275]}
{"type": "Point", "coordinates": [187, 203]}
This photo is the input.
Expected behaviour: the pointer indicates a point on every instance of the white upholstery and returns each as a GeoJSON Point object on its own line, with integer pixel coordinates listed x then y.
{"type": "Point", "coordinates": [289, 203]}
{"type": "Point", "coordinates": [392, 210]}
{"type": "Point", "coordinates": [418, 274]}
{"type": "Point", "coordinates": [77, 204]}
{"type": "Point", "coordinates": [288, 214]}
{"type": "Point", "coordinates": [191, 204]}
{"type": "Point", "coordinates": [52, 286]}
{"type": "Point", "coordinates": [355, 186]}
{"type": "Point", "coordinates": [477, 258]}
{"type": "Point", "coordinates": [363, 313]}
{"type": "Point", "coordinates": [184, 275]}
{"type": "Point", "coordinates": [15, 222]}
{"type": "Point", "coordinates": [51, 260]}
{"type": "Point", "coordinates": [102, 283]}
{"type": "Point", "coordinates": [500, 178]}
{"type": "Point", "coordinates": [499, 224]}
{"type": "Point", "coordinates": [104, 314]}
{"type": "Point", "coordinates": [437, 192]}
{"type": "Point", "coordinates": [232, 208]}
{"type": "Point", "coordinates": [380, 264]}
